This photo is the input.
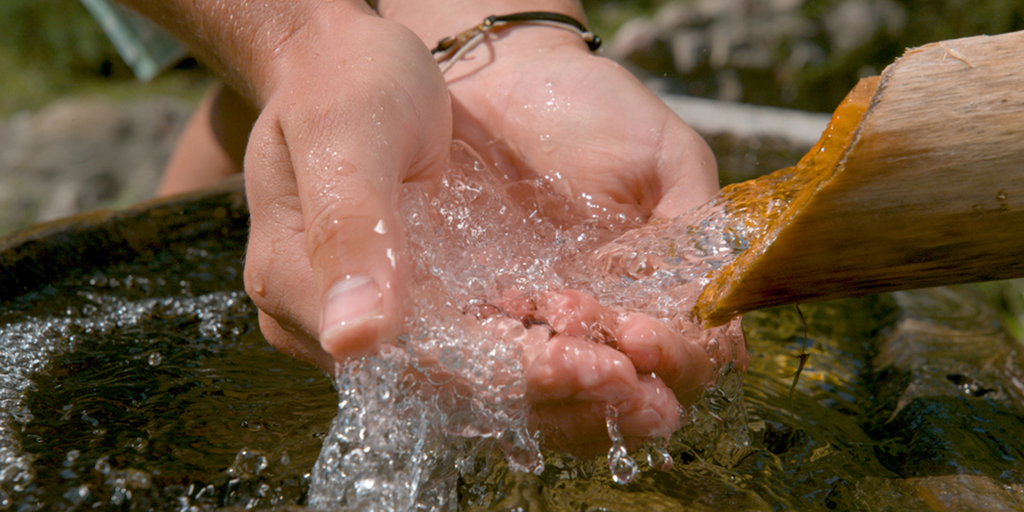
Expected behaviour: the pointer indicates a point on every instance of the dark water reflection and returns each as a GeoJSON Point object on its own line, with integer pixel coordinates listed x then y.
{"type": "Point", "coordinates": [162, 395]}
{"type": "Point", "coordinates": [170, 397]}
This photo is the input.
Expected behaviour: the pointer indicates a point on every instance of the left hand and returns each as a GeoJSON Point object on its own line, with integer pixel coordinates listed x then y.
{"type": "Point", "coordinates": [534, 102]}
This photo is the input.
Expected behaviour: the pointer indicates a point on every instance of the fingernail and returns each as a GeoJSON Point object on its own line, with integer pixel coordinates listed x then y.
{"type": "Point", "coordinates": [349, 302]}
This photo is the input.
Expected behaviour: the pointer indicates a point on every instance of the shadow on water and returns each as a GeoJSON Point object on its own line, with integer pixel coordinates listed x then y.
{"type": "Point", "coordinates": [134, 377]}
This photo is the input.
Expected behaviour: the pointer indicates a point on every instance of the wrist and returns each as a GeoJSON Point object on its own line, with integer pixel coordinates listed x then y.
{"type": "Point", "coordinates": [328, 34]}
{"type": "Point", "coordinates": [244, 41]}
{"type": "Point", "coordinates": [433, 20]}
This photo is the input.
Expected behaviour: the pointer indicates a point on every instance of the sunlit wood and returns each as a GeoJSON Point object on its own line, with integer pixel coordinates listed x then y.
{"type": "Point", "coordinates": [919, 181]}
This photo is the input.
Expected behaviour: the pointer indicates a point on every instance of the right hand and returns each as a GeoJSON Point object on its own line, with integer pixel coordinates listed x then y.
{"type": "Point", "coordinates": [341, 129]}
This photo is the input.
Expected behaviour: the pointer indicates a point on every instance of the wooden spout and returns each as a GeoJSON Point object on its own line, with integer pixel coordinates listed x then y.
{"type": "Point", "coordinates": [918, 181]}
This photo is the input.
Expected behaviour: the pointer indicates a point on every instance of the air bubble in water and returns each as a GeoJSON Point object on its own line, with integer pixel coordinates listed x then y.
{"type": "Point", "coordinates": [155, 359]}
{"type": "Point", "coordinates": [248, 464]}
{"type": "Point", "coordinates": [28, 348]}
{"type": "Point", "coordinates": [397, 440]}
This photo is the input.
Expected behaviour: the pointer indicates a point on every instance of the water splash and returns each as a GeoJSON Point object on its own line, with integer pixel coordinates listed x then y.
{"type": "Point", "coordinates": [658, 456]}
{"type": "Point", "coordinates": [621, 466]}
{"type": "Point", "coordinates": [28, 348]}
{"type": "Point", "coordinates": [404, 416]}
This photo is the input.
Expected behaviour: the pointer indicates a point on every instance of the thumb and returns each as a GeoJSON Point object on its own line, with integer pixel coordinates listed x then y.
{"type": "Point", "coordinates": [341, 143]}
{"type": "Point", "coordinates": [354, 238]}
{"type": "Point", "coordinates": [326, 254]}
{"type": "Point", "coordinates": [356, 250]}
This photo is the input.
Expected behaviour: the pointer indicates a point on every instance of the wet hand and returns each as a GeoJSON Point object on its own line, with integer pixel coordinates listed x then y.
{"type": "Point", "coordinates": [582, 357]}
{"type": "Point", "coordinates": [342, 128]}
{"type": "Point", "coordinates": [536, 103]}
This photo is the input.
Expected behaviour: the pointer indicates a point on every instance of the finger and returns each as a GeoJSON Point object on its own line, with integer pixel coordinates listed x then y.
{"type": "Point", "coordinates": [279, 271]}
{"type": "Point", "coordinates": [349, 162]}
{"type": "Point", "coordinates": [568, 312]}
{"type": "Point", "coordinates": [731, 338]}
{"type": "Point", "coordinates": [576, 313]}
{"type": "Point", "coordinates": [581, 428]}
{"type": "Point", "coordinates": [278, 277]}
{"type": "Point", "coordinates": [571, 368]}
{"type": "Point", "coordinates": [295, 344]}
{"type": "Point", "coordinates": [356, 251]}
{"type": "Point", "coordinates": [651, 412]}
{"type": "Point", "coordinates": [684, 365]}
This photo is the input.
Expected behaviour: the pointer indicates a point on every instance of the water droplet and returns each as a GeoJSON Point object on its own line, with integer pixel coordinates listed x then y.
{"type": "Point", "coordinates": [658, 456]}
{"type": "Point", "coordinates": [621, 466]}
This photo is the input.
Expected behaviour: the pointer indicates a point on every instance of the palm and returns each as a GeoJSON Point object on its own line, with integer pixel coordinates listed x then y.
{"type": "Point", "coordinates": [612, 147]}
{"type": "Point", "coordinates": [583, 122]}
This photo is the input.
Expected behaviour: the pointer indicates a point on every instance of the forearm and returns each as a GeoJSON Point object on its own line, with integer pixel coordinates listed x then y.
{"type": "Point", "coordinates": [243, 40]}
{"type": "Point", "coordinates": [433, 20]}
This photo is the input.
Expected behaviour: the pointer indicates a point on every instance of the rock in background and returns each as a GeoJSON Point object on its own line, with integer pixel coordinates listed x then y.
{"type": "Point", "coordinates": [803, 54]}
{"type": "Point", "coordinates": [78, 155]}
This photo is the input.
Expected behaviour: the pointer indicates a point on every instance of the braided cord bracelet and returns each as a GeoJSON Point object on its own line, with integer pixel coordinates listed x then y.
{"type": "Point", "coordinates": [450, 49]}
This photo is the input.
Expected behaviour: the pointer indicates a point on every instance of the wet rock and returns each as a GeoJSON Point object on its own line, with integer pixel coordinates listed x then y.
{"type": "Point", "coordinates": [944, 493]}
{"type": "Point", "coordinates": [949, 396]}
{"type": "Point", "coordinates": [689, 50]}
{"type": "Point", "coordinates": [79, 155]}
{"type": "Point", "coordinates": [853, 23]}
{"type": "Point", "coordinates": [754, 51]}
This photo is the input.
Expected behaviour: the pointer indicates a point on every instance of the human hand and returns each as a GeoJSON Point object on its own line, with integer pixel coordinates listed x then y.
{"type": "Point", "coordinates": [603, 140]}
{"type": "Point", "coordinates": [594, 357]}
{"type": "Point", "coordinates": [534, 102]}
{"type": "Point", "coordinates": [344, 125]}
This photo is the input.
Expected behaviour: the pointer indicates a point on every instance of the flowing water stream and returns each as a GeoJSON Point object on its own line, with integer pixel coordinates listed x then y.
{"type": "Point", "coordinates": [143, 383]}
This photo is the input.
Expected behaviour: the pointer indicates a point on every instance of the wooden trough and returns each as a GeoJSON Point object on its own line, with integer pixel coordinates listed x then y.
{"type": "Point", "coordinates": [918, 181]}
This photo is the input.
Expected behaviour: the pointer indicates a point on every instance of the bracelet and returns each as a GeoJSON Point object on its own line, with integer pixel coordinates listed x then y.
{"type": "Point", "coordinates": [450, 49]}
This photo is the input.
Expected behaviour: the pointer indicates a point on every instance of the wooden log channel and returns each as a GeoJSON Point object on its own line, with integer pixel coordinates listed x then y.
{"type": "Point", "coordinates": [918, 181]}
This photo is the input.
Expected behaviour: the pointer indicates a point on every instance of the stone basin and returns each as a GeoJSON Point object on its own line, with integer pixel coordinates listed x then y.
{"type": "Point", "coordinates": [134, 376]}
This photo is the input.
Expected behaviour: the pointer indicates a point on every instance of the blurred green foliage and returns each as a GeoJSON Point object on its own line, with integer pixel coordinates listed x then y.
{"type": "Point", "coordinates": [605, 16]}
{"type": "Point", "coordinates": [58, 32]}
{"type": "Point", "coordinates": [46, 48]}
{"type": "Point", "coordinates": [824, 85]}
{"type": "Point", "coordinates": [53, 48]}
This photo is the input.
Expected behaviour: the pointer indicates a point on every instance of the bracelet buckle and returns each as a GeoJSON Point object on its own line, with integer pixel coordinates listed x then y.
{"type": "Point", "coordinates": [450, 49]}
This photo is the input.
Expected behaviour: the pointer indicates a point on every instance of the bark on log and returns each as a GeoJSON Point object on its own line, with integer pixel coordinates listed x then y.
{"type": "Point", "coordinates": [918, 182]}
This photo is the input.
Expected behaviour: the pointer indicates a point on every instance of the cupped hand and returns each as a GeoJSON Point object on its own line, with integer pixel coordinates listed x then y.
{"type": "Point", "coordinates": [534, 102]}
{"type": "Point", "coordinates": [583, 357]}
{"type": "Point", "coordinates": [342, 128]}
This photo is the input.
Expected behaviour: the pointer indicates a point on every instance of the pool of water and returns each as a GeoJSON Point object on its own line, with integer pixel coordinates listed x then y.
{"type": "Point", "coordinates": [138, 380]}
